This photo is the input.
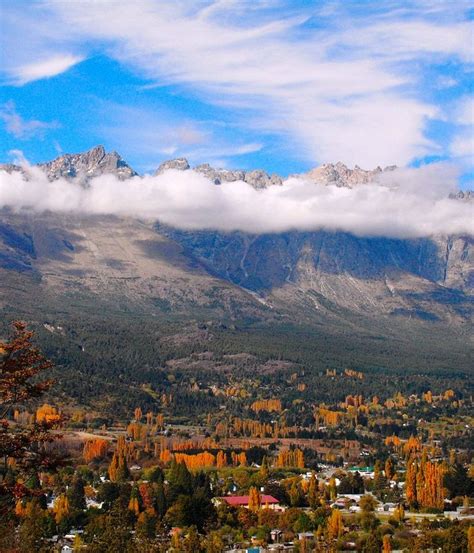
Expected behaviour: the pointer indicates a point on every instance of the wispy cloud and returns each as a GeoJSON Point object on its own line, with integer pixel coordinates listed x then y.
{"type": "Point", "coordinates": [158, 134]}
{"type": "Point", "coordinates": [35, 44]}
{"type": "Point", "coordinates": [45, 68]}
{"type": "Point", "coordinates": [22, 128]}
{"type": "Point", "coordinates": [337, 80]}
{"type": "Point", "coordinates": [338, 86]}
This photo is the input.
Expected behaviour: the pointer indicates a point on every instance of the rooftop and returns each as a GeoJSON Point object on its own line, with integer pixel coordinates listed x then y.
{"type": "Point", "coordinates": [236, 500]}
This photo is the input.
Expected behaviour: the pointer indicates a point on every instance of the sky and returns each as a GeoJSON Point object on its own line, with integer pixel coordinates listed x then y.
{"type": "Point", "coordinates": [278, 85]}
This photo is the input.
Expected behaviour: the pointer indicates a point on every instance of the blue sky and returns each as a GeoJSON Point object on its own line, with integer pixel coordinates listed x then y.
{"type": "Point", "coordinates": [282, 86]}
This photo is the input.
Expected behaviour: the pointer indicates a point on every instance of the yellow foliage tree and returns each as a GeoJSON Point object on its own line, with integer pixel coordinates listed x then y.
{"type": "Point", "coordinates": [255, 499]}
{"type": "Point", "coordinates": [335, 524]}
{"type": "Point", "coordinates": [61, 508]}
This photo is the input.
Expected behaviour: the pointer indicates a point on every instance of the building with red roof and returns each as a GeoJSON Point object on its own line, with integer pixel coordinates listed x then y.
{"type": "Point", "coordinates": [267, 501]}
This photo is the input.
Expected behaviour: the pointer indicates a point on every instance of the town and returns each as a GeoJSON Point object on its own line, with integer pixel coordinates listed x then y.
{"type": "Point", "coordinates": [378, 474]}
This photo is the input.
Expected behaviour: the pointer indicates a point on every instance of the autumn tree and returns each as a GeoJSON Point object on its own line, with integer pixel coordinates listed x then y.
{"type": "Point", "coordinates": [95, 449]}
{"type": "Point", "coordinates": [399, 513]}
{"type": "Point", "coordinates": [335, 524]}
{"type": "Point", "coordinates": [470, 539]}
{"type": "Point", "coordinates": [313, 492]}
{"type": "Point", "coordinates": [221, 459]}
{"type": "Point", "coordinates": [290, 458]}
{"type": "Point", "coordinates": [118, 468]}
{"type": "Point", "coordinates": [214, 543]}
{"type": "Point", "coordinates": [424, 483]}
{"type": "Point", "coordinates": [386, 544]}
{"type": "Point", "coordinates": [295, 494]}
{"type": "Point", "coordinates": [255, 499]}
{"type": "Point", "coordinates": [31, 533]}
{"type": "Point", "coordinates": [389, 469]}
{"type": "Point", "coordinates": [61, 508]}
{"type": "Point", "coordinates": [25, 446]}
{"type": "Point", "coordinates": [134, 504]}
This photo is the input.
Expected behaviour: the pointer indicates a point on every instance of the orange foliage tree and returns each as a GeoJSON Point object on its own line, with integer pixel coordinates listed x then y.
{"type": "Point", "coordinates": [266, 405]}
{"type": "Point", "coordinates": [424, 483]}
{"type": "Point", "coordinates": [95, 449]}
{"type": "Point", "coordinates": [290, 458]}
{"type": "Point", "coordinates": [47, 413]}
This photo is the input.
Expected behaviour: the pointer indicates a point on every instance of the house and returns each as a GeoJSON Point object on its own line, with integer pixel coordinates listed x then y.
{"type": "Point", "coordinates": [92, 503]}
{"type": "Point", "coordinates": [276, 535]}
{"type": "Point", "coordinates": [389, 507]}
{"type": "Point", "coordinates": [267, 501]}
{"type": "Point", "coordinates": [73, 533]}
{"type": "Point", "coordinates": [305, 536]}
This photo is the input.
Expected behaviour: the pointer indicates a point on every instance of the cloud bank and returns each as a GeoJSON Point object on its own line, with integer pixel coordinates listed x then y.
{"type": "Point", "coordinates": [405, 203]}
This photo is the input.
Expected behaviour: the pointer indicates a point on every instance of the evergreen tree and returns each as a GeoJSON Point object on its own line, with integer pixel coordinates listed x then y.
{"type": "Point", "coordinates": [458, 482]}
{"type": "Point", "coordinates": [159, 499]}
{"type": "Point", "coordinates": [156, 475]}
{"type": "Point", "coordinates": [180, 481]}
{"type": "Point", "coordinates": [115, 534]}
{"type": "Point", "coordinates": [76, 494]}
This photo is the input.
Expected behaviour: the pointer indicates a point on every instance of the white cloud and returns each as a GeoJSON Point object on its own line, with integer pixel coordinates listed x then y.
{"type": "Point", "coordinates": [22, 128]}
{"type": "Point", "coordinates": [464, 111]}
{"type": "Point", "coordinates": [444, 81]}
{"type": "Point", "coordinates": [400, 39]}
{"type": "Point", "coordinates": [46, 68]}
{"type": "Point", "coordinates": [405, 203]}
{"type": "Point", "coordinates": [462, 145]}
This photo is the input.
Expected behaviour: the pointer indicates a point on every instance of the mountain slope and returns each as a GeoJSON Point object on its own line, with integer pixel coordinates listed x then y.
{"type": "Point", "coordinates": [332, 299]}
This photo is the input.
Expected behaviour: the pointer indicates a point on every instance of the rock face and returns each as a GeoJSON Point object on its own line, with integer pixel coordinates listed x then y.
{"type": "Point", "coordinates": [180, 164]}
{"type": "Point", "coordinates": [336, 174]}
{"type": "Point", "coordinates": [340, 175]}
{"type": "Point", "coordinates": [89, 164]}
{"type": "Point", "coordinates": [257, 178]}
{"type": "Point", "coordinates": [424, 277]}
{"type": "Point", "coordinates": [310, 272]}
{"type": "Point", "coordinates": [10, 167]}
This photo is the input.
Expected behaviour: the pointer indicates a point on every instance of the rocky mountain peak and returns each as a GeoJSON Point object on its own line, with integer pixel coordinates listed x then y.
{"type": "Point", "coordinates": [10, 168]}
{"type": "Point", "coordinates": [258, 179]}
{"type": "Point", "coordinates": [339, 174]}
{"type": "Point", "coordinates": [180, 164]}
{"type": "Point", "coordinates": [86, 165]}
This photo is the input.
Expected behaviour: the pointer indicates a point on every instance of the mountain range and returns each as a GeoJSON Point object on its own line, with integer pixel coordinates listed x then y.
{"type": "Point", "coordinates": [380, 297]}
